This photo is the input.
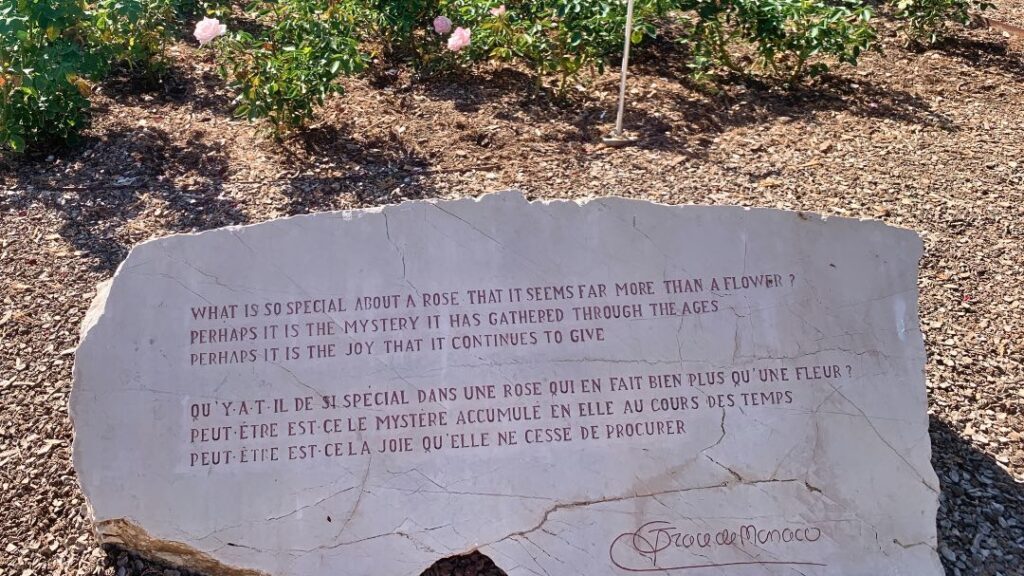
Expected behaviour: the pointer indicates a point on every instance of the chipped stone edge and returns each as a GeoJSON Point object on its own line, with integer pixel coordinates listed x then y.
{"type": "Point", "coordinates": [124, 532]}
{"type": "Point", "coordinates": [522, 196]}
{"type": "Point", "coordinates": [96, 308]}
{"type": "Point", "coordinates": [92, 316]}
{"type": "Point", "coordinates": [133, 537]}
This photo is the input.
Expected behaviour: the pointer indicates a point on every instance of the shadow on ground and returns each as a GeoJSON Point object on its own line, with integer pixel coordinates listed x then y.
{"type": "Point", "coordinates": [974, 486]}
{"type": "Point", "coordinates": [112, 192]}
{"type": "Point", "coordinates": [102, 192]}
{"type": "Point", "coordinates": [736, 100]}
{"type": "Point", "coordinates": [102, 187]}
{"type": "Point", "coordinates": [526, 103]}
{"type": "Point", "coordinates": [373, 171]}
{"type": "Point", "coordinates": [989, 52]}
{"type": "Point", "coordinates": [202, 90]}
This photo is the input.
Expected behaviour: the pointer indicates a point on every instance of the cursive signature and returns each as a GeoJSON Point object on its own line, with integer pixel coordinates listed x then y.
{"type": "Point", "coordinates": [655, 546]}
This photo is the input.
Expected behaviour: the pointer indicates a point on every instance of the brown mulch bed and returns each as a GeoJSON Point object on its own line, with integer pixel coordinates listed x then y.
{"type": "Point", "coordinates": [930, 140]}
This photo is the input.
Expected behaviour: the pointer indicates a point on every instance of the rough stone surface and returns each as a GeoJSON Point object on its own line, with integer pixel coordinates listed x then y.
{"type": "Point", "coordinates": [757, 407]}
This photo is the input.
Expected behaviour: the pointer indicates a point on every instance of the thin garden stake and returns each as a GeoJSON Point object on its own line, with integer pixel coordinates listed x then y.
{"type": "Point", "coordinates": [615, 137]}
{"type": "Point", "coordinates": [626, 64]}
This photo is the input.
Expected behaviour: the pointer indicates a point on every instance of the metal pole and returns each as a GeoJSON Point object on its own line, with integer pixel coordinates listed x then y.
{"type": "Point", "coordinates": [625, 64]}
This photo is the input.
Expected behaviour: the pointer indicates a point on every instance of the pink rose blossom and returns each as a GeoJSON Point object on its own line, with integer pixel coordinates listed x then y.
{"type": "Point", "coordinates": [207, 29]}
{"type": "Point", "coordinates": [498, 12]}
{"type": "Point", "coordinates": [459, 39]}
{"type": "Point", "coordinates": [442, 25]}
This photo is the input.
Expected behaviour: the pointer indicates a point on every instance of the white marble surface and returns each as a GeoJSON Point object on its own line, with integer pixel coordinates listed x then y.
{"type": "Point", "coordinates": [823, 471]}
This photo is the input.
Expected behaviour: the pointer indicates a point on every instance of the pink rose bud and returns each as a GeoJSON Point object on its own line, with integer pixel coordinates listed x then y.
{"type": "Point", "coordinates": [459, 39]}
{"type": "Point", "coordinates": [498, 12]}
{"type": "Point", "coordinates": [442, 25]}
{"type": "Point", "coordinates": [207, 29]}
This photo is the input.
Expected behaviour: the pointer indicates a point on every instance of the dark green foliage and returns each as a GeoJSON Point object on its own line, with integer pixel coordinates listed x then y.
{"type": "Point", "coordinates": [927, 20]}
{"type": "Point", "coordinates": [45, 69]}
{"type": "Point", "coordinates": [134, 32]}
{"type": "Point", "coordinates": [401, 25]}
{"type": "Point", "coordinates": [788, 38]}
{"type": "Point", "coordinates": [283, 73]}
{"type": "Point", "coordinates": [552, 37]}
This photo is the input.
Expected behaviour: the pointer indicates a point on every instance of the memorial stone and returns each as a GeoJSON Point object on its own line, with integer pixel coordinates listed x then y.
{"type": "Point", "coordinates": [595, 388]}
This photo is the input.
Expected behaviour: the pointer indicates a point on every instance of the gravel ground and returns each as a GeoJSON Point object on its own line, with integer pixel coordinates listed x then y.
{"type": "Point", "coordinates": [929, 140]}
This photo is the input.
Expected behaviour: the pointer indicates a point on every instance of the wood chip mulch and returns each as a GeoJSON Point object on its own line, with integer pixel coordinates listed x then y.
{"type": "Point", "coordinates": [930, 140]}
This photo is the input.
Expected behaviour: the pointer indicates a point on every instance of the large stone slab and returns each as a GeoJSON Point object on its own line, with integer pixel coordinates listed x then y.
{"type": "Point", "coordinates": [600, 388]}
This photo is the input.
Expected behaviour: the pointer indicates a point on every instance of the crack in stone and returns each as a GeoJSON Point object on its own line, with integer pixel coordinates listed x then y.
{"type": "Point", "coordinates": [277, 268]}
{"type": "Point", "coordinates": [445, 490]}
{"type": "Point", "coordinates": [401, 253]}
{"type": "Point", "coordinates": [585, 503]}
{"type": "Point", "coordinates": [897, 542]}
{"type": "Point", "coordinates": [484, 234]}
{"type": "Point", "coordinates": [296, 379]}
{"type": "Point", "coordinates": [307, 506]}
{"type": "Point", "coordinates": [306, 293]}
{"type": "Point", "coordinates": [359, 499]}
{"type": "Point", "coordinates": [468, 223]}
{"type": "Point", "coordinates": [216, 280]}
{"type": "Point", "coordinates": [176, 281]}
{"type": "Point", "coordinates": [417, 543]}
{"type": "Point", "coordinates": [524, 534]}
{"type": "Point", "coordinates": [884, 441]}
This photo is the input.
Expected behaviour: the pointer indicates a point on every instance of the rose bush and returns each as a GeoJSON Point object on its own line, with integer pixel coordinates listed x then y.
{"type": "Point", "coordinates": [52, 51]}
{"type": "Point", "coordinates": [286, 70]}
{"type": "Point", "coordinates": [553, 37]}
{"type": "Point", "coordinates": [927, 21]}
{"type": "Point", "coordinates": [789, 38]}
{"type": "Point", "coordinates": [134, 33]}
{"type": "Point", "coordinates": [401, 26]}
{"type": "Point", "coordinates": [282, 58]}
{"type": "Point", "coordinates": [46, 69]}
